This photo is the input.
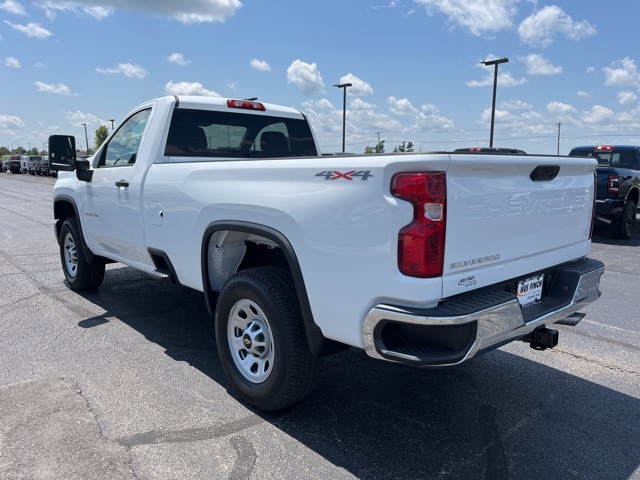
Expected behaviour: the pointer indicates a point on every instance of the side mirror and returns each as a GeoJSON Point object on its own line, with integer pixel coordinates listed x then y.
{"type": "Point", "coordinates": [62, 153]}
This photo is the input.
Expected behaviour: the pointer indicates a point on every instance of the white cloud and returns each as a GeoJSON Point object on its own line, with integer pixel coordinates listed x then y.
{"type": "Point", "coordinates": [559, 108]}
{"type": "Point", "coordinates": [51, 9]}
{"type": "Point", "coordinates": [129, 70]}
{"type": "Point", "coordinates": [187, 88]}
{"type": "Point", "coordinates": [358, 88]}
{"type": "Point", "coordinates": [539, 65]}
{"type": "Point", "coordinates": [517, 105]}
{"type": "Point", "coordinates": [322, 104]}
{"type": "Point", "coordinates": [260, 65]}
{"type": "Point", "coordinates": [505, 79]}
{"type": "Point", "coordinates": [12, 62]}
{"type": "Point", "coordinates": [584, 94]}
{"type": "Point", "coordinates": [401, 106]}
{"type": "Point", "coordinates": [305, 76]}
{"type": "Point", "coordinates": [12, 6]}
{"type": "Point", "coordinates": [627, 98]}
{"type": "Point", "coordinates": [31, 29]}
{"type": "Point", "coordinates": [478, 16]}
{"type": "Point", "coordinates": [598, 114]}
{"type": "Point", "coordinates": [9, 121]}
{"type": "Point", "coordinates": [178, 59]}
{"type": "Point", "coordinates": [58, 89]}
{"type": "Point", "coordinates": [184, 11]}
{"type": "Point", "coordinates": [77, 118]}
{"type": "Point", "coordinates": [541, 27]}
{"type": "Point", "coordinates": [622, 73]}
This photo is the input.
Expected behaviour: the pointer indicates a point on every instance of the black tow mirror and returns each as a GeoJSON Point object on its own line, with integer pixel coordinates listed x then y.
{"type": "Point", "coordinates": [62, 153]}
{"type": "Point", "coordinates": [83, 170]}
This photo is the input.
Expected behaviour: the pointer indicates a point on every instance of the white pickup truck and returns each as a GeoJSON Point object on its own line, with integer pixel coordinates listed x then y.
{"type": "Point", "coordinates": [426, 259]}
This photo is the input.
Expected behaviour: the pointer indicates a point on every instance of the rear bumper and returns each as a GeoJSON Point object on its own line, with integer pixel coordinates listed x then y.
{"type": "Point", "coordinates": [458, 330]}
{"type": "Point", "coordinates": [609, 208]}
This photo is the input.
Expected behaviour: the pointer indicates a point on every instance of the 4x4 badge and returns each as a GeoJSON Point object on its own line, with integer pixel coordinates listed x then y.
{"type": "Point", "coordinates": [351, 175]}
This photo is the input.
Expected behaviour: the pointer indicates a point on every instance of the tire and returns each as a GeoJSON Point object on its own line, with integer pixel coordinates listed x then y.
{"type": "Point", "coordinates": [622, 226]}
{"type": "Point", "coordinates": [80, 274]}
{"type": "Point", "coordinates": [261, 339]}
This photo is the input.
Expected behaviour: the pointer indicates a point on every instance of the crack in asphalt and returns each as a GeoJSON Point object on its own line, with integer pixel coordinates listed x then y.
{"type": "Point", "coordinates": [154, 437]}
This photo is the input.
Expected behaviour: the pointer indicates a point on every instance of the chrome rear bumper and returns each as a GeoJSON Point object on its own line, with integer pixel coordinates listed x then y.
{"type": "Point", "coordinates": [458, 330]}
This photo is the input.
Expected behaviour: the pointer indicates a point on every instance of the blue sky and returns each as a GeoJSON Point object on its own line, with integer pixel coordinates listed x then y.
{"type": "Point", "coordinates": [414, 66]}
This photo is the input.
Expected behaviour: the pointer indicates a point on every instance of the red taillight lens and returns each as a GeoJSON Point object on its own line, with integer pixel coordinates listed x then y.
{"type": "Point", "coordinates": [593, 208]}
{"type": "Point", "coordinates": [613, 184]}
{"type": "Point", "coordinates": [421, 243]}
{"type": "Point", "coordinates": [245, 104]}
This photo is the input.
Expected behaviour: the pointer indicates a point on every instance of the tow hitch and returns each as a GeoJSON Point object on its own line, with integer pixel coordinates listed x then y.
{"type": "Point", "coordinates": [542, 338]}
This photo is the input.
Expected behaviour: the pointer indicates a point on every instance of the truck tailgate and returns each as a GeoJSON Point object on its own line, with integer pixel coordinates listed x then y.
{"type": "Point", "coordinates": [509, 216]}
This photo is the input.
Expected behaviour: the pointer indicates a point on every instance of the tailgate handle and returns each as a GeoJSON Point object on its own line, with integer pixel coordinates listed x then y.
{"type": "Point", "coordinates": [544, 173]}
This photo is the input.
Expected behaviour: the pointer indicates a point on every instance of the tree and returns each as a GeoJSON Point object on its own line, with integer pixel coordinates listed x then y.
{"type": "Point", "coordinates": [405, 147]}
{"type": "Point", "coordinates": [20, 150]}
{"type": "Point", "coordinates": [101, 135]}
{"type": "Point", "coordinates": [379, 148]}
{"type": "Point", "coordinates": [33, 151]}
{"type": "Point", "coordinates": [4, 151]}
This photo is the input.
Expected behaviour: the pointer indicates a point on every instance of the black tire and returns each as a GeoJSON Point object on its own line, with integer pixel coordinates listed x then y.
{"type": "Point", "coordinates": [258, 319]}
{"type": "Point", "coordinates": [622, 226]}
{"type": "Point", "coordinates": [80, 274]}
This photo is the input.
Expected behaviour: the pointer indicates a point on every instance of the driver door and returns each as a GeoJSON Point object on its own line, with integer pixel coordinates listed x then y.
{"type": "Point", "coordinates": [111, 201]}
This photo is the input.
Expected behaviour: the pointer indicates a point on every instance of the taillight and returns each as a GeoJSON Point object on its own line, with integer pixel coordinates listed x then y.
{"type": "Point", "coordinates": [421, 243]}
{"type": "Point", "coordinates": [245, 104]}
{"type": "Point", "coordinates": [613, 184]}
{"type": "Point", "coordinates": [593, 208]}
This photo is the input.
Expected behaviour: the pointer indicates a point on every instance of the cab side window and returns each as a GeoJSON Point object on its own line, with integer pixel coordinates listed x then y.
{"type": "Point", "coordinates": [122, 149]}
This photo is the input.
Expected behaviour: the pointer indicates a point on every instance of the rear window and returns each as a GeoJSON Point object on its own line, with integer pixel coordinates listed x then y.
{"type": "Point", "coordinates": [613, 158]}
{"type": "Point", "coordinates": [202, 133]}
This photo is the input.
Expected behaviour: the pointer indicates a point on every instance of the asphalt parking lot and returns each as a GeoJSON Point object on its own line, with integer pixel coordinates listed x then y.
{"type": "Point", "coordinates": [124, 383]}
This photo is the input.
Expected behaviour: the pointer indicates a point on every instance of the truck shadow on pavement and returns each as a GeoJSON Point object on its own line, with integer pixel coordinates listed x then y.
{"type": "Point", "coordinates": [500, 416]}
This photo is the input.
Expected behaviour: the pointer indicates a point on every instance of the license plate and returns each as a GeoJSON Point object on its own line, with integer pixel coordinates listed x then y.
{"type": "Point", "coordinates": [530, 290]}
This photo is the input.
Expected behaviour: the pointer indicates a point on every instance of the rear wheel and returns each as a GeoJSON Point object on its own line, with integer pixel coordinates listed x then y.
{"type": "Point", "coordinates": [261, 339]}
{"type": "Point", "coordinates": [80, 274]}
{"type": "Point", "coordinates": [622, 227]}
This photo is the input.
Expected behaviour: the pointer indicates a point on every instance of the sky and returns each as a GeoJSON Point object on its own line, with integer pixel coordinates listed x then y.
{"type": "Point", "coordinates": [571, 78]}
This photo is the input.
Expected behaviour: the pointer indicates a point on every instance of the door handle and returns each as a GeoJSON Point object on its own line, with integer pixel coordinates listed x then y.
{"type": "Point", "coordinates": [122, 184]}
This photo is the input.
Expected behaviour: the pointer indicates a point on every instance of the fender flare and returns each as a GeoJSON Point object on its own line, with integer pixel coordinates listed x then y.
{"type": "Point", "coordinates": [89, 255]}
{"type": "Point", "coordinates": [318, 343]}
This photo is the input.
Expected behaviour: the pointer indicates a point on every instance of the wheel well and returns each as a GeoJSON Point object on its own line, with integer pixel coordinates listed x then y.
{"type": "Point", "coordinates": [634, 195]}
{"type": "Point", "coordinates": [233, 246]}
{"type": "Point", "coordinates": [61, 211]}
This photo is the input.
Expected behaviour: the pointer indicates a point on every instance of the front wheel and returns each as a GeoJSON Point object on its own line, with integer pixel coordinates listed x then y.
{"type": "Point", "coordinates": [80, 274]}
{"type": "Point", "coordinates": [622, 227]}
{"type": "Point", "coordinates": [261, 339]}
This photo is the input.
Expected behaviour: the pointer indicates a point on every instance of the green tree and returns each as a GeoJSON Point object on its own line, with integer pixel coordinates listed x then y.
{"type": "Point", "coordinates": [405, 147]}
{"type": "Point", "coordinates": [379, 148]}
{"type": "Point", "coordinates": [20, 150]}
{"type": "Point", "coordinates": [101, 135]}
{"type": "Point", "coordinates": [4, 151]}
{"type": "Point", "coordinates": [33, 151]}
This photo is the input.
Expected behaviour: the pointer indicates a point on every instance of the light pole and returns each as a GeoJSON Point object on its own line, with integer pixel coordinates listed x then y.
{"type": "Point", "coordinates": [344, 109]}
{"type": "Point", "coordinates": [86, 137]}
{"type": "Point", "coordinates": [111, 120]}
{"type": "Point", "coordinates": [12, 143]}
{"type": "Point", "coordinates": [495, 84]}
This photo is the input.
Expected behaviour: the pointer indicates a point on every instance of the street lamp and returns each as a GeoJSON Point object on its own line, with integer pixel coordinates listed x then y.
{"type": "Point", "coordinates": [111, 120]}
{"type": "Point", "coordinates": [12, 143]}
{"type": "Point", "coordinates": [86, 137]}
{"type": "Point", "coordinates": [495, 84]}
{"type": "Point", "coordinates": [344, 109]}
